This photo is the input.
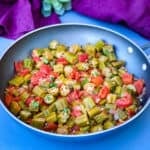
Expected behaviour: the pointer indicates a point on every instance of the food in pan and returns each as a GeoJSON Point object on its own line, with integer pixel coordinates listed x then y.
{"type": "Point", "coordinates": [73, 89]}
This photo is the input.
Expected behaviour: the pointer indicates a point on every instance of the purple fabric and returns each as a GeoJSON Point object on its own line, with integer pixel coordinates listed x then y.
{"type": "Point", "coordinates": [134, 13]}
{"type": "Point", "coordinates": [20, 16]}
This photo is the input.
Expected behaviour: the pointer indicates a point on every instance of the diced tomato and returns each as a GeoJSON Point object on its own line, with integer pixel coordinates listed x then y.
{"type": "Point", "coordinates": [76, 111]}
{"type": "Point", "coordinates": [18, 66]}
{"type": "Point", "coordinates": [45, 69]}
{"type": "Point", "coordinates": [73, 96]}
{"type": "Point", "coordinates": [104, 92]}
{"type": "Point", "coordinates": [62, 60]}
{"type": "Point", "coordinates": [130, 113]}
{"type": "Point", "coordinates": [29, 100]}
{"type": "Point", "coordinates": [36, 77]}
{"type": "Point", "coordinates": [83, 57]}
{"type": "Point", "coordinates": [50, 126]}
{"type": "Point", "coordinates": [24, 72]}
{"type": "Point", "coordinates": [127, 78]}
{"type": "Point", "coordinates": [16, 98]}
{"type": "Point", "coordinates": [124, 101]}
{"type": "Point", "coordinates": [8, 99]}
{"type": "Point", "coordinates": [36, 59]}
{"type": "Point", "coordinates": [98, 80]}
{"type": "Point", "coordinates": [75, 129]}
{"type": "Point", "coordinates": [54, 74]}
{"type": "Point", "coordinates": [39, 99]}
{"type": "Point", "coordinates": [75, 75]}
{"type": "Point", "coordinates": [29, 121]}
{"type": "Point", "coordinates": [96, 98]}
{"type": "Point", "coordinates": [139, 85]}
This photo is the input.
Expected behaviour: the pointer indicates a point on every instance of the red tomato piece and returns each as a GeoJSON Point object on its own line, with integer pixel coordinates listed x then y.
{"type": "Point", "coordinates": [97, 80]}
{"type": "Point", "coordinates": [18, 66]}
{"type": "Point", "coordinates": [36, 77]}
{"type": "Point", "coordinates": [127, 78]}
{"type": "Point", "coordinates": [73, 96]}
{"type": "Point", "coordinates": [76, 111]}
{"type": "Point", "coordinates": [24, 72]}
{"type": "Point", "coordinates": [75, 75]}
{"type": "Point", "coordinates": [124, 101]}
{"type": "Point", "coordinates": [39, 99]}
{"type": "Point", "coordinates": [8, 99]}
{"type": "Point", "coordinates": [83, 57]}
{"type": "Point", "coordinates": [75, 129]}
{"type": "Point", "coordinates": [50, 126]}
{"type": "Point", "coordinates": [36, 59]}
{"type": "Point", "coordinates": [139, 85]}
{"type": "Point", "coordinates": [29, 100]}
{"type": "Point", "coordinates": [54, 74]}
{"type": "Point", "coordinates": [104, 91]}
{"type": "Point", "coordinates": [96, 98]}
{"type": "Point", "coordinates": [45, 69]}
{"type": "Point", "coordinates": [62, 60]}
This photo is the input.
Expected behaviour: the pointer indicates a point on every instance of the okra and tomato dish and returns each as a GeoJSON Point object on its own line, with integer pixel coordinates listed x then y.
{"type": "Point", "coordinates": [73, 89]}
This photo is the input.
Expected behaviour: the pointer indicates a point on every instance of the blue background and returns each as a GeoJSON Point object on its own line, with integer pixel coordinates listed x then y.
{"type": "Point", "coordinates": [134, 136]}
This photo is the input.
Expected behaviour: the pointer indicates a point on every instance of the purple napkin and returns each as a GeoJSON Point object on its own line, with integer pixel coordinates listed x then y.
{"type": "Point", "coordinates": [133, 13]}
{"type": "Point", "coordinates": [20, 16]}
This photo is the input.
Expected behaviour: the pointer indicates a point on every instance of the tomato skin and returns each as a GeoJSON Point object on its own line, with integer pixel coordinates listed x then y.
{"type": "Point", "coordinates": [62, 60]}
{"type": "Point", "coordinates": [96, 98]}
{"type": "Point", "coordinates": [24, 72]}
{"type": "Point", "coordinates": [29, 100]}
{"type": "Point", "coordinates": [36, 59]}
{"type": "Point", "coordinates": [75, 75]}
{"type": "Point", "coordinates": [127, 78]}
{"type": "Point", "coordinates": [98, 80]}
{"type": "Point", "coordinates": [83, 57]}
{"type": "Point", "coordinates": [45, 69]}
{"type": "Point", "coordinates": [18, 66]}
{"type": "Point", "coordinates": [104, 92]}
{"type": "Point", "coordinates": [50, 126]}
{"type": "Point", "coordinates": [139, 85]}
{"type": "Point", "coordinates": [124, 101]}
{"type": "Point", "coordinates": [76, 111]}
{"type": "Point", "coordinates": [39, 99]}
{"type": "Point", "coordinates": [36, 78]}
{"type": "Point", "coordinates": [8, 99]}
{"type": "Point", "coordinates": [75, 95]}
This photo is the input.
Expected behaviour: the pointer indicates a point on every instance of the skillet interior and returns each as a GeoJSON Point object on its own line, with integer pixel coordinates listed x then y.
{"type": "Point", "coordinates": [75, 33]}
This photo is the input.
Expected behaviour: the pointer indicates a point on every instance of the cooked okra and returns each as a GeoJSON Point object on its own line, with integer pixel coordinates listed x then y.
{"type": "Point", "coordinates": [75, 89]}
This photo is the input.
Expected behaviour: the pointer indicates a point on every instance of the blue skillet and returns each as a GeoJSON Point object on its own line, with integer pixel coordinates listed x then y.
{"type": "Point", "coordinates": [136, 60]}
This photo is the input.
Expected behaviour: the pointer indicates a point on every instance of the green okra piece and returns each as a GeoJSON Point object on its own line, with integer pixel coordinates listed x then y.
{"type": "Point", "coordinates": [38, 122]}
{"type": "Point", "coordinates": [94, 111]}
{"type": "Point", "coordinates": [28, 63]}
{"type": "Point", "coordinates": [82, 120]}
{"type": "Point", "coordinates": [61, 103]}
{"type": "Point", "coordinates": [88, 103]}
{"type": "Point", "coordinates": [118, 90]}
{"type": "Point", "coordinates": [38, 91]}
{"type": "Point", "coordinates": [25, 114]}
{"type": "Point", "coordinates": [100, 118]}
{"type": "Point", "coordinates": [64, 115]}
{"type": "Point", "coordinates": [15, 107]}
{"type": "Point", "coordinates": [71, 58]}
{"type": "Point", "coordinates": [90, 50]}
{"type": "Point", "coordinates": [99, 45]}
{"type": "Point", "coordinates": [17, 81]}
{"type": "Point", "coordinates": [52, 117]}
{"type": "Point", "coordinates": [96, 128]}
{"type": "Point", "coordinates": [108, 124]}
{"type": "Point", "coordinates": [118, 64]}
{"type": "Point", "coordinates": [111, 98]}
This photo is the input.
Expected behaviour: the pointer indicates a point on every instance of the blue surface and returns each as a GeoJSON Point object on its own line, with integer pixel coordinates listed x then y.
{"type": "Point", "coordinates": [135, 136]}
